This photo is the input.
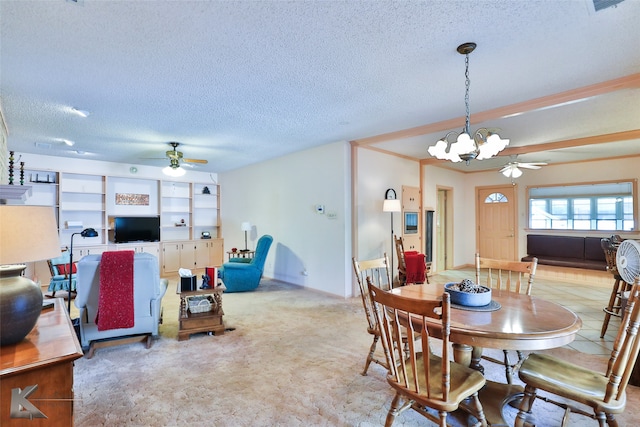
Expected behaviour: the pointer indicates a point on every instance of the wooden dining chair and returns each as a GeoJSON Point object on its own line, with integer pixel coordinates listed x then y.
{"type": "Point", "coordinates": [513, 276]}
{"type": "Point", "coordinates": [380, 274]}
{"type": "Point", "coordinates": [603, 392]}
{"type": "Point", "coordinates": [421, 379]}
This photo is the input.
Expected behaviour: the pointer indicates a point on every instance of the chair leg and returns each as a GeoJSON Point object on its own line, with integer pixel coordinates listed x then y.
{"type": "Point", "coordinates": [394, 410]}
{"type": "Point", "coordinates": [609, 310]}
{"type": "Point", "coordinates": [611, 420]}
{"type": "Point", "coordinates": [370, 357]}
{"type": "Point", "coordinates": [522, 419]}
{"type": "Point", "coordinates": [478, 412]}
{"type": "Point", "coordinates": [507, 367]}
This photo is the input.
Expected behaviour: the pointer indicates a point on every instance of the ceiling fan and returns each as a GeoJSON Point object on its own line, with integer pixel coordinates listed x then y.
{"type": "Point", "coordinates": [175, 157]}
{"type": "Point", "coordinates": [512, 169]}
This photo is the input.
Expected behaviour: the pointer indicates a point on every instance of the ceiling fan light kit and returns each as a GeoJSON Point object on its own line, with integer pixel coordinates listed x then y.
{"type": "Point", "coordinates": [511, 171]}
{"type": "Point", "coordinates": [173, 171]}
{"type": "Point", "coordinates": [484, 144]}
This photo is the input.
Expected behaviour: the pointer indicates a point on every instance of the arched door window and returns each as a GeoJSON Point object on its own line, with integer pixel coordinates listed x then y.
{"type": "Point", "coordinates": [496, 198]}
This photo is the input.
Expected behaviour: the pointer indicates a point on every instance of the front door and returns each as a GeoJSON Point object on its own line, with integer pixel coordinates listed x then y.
{"type": "Point", "coordinates": [497, 212]}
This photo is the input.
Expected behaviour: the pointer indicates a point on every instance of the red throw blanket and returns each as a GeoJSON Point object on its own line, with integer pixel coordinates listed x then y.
{"type": "Point", "coordinates": [115, 299]}
{"type": "Point", "coordinates": [416, 267]}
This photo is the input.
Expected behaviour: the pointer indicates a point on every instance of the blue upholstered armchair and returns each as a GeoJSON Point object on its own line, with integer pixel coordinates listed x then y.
{"type": "Point", "coordinates": [243, 274]}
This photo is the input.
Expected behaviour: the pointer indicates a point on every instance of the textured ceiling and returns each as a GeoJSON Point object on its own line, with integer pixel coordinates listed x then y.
{"type": "Point", "coordinates": [244, 81]}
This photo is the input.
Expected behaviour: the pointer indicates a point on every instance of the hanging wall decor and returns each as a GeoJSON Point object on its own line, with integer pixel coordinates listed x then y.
{"type": "Point", "coordinates": [132, 199]}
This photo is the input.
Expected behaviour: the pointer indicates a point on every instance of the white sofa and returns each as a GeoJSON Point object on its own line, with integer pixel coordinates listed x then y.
{"type": "Point", "coordinates": [148, 290]}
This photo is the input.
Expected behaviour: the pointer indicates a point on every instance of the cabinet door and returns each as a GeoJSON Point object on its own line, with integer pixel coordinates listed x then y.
{"type": "Point", "coordinates": [216, 252]}
{"type": "Point", "coordinates": [411, 243]}
{"type": "Point", "coordinates": [170, 257]}
{"type": "Point", "coordinates": [149, 248]}
{"type": "Point", "coordinates": [410, 198]}
{"type": "Point", "coordinates": [202, 254]}
{"type": "Point", "coordinates": [188, 255]}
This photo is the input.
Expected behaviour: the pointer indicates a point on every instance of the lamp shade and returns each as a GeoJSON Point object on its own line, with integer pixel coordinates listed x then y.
{"type": "Point", "coordinates": [245, 226]}
{"type": "Point", "coordinates": [27, 233]}
{"type": "Point", "coordinates": [391, 205]}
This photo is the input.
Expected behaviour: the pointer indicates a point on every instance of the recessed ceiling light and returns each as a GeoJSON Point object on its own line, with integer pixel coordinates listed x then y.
{"type": "Point", "coordinates": [81, 113]}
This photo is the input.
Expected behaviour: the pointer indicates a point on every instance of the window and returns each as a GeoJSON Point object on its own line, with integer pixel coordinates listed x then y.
{"type": "Point", "coordinates": [605, 206]}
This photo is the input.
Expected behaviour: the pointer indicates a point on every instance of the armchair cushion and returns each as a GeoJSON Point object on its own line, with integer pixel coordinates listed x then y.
{"type": "Point", "coordinates": [63, 269]}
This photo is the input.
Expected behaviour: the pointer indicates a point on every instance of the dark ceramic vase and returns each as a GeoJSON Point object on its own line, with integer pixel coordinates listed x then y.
{"type": "Point", "coordinates": [20, 304]}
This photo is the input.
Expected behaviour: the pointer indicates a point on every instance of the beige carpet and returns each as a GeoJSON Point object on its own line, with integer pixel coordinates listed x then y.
{"type": "Point", "coordinates": [294, 359]}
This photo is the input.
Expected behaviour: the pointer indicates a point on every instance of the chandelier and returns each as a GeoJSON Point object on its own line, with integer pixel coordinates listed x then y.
{"type": "Point", "coordinates": [484, 143]}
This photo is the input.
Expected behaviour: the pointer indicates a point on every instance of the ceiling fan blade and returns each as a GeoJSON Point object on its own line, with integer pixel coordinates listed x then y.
{"type": "Point", "coordinates": [195, 161]}
{"type": "Point", "coordinates": [529, 166]}
{"type": "Point", "coordinates": [505, 168]}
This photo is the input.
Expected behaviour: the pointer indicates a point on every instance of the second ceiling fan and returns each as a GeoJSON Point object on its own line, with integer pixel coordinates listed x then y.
{"type": "Point", "coordinates": [512, 169]}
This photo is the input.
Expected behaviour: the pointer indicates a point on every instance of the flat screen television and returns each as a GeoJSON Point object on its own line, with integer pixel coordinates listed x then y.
{"type": "Point", "coordinates": [136, 229]}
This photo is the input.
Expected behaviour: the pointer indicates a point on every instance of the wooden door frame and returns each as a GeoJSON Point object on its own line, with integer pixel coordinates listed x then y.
{"type": "Point", "coordinates": [448, 228]}
{"type": "Point", "coordinates": [516, 226]}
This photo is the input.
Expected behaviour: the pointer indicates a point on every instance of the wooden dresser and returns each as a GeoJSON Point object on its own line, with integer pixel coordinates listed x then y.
{"type": "Point", "coordinates": [44, 358]}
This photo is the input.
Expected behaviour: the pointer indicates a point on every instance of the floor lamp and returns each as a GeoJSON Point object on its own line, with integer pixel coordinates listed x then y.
{"type": "Point", "coordinates": [391, 204]}
{"type": "Point", "coordinates": [87, 232]}
{"type": "Point", "coordinates": [245, 226]}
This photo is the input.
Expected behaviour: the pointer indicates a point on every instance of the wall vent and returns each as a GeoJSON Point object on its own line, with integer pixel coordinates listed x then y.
{"type": "Point", "coordinates": [43, 145]}
{"type": "Point", "coordinates": [603, 4]}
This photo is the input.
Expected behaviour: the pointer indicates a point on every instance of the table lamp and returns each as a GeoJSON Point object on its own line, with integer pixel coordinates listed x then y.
{"type": "Point", "coordinates": [246, 226]}
{"type": "Point", "coordinates": [27, 233]}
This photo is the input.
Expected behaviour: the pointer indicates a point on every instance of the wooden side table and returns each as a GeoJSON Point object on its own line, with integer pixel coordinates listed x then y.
{"type": "Point", "coordinates": [44, 359]}
{"type": "Point", "coordinates": [241, 254]}
{"type": "Point", "coordinates": [207, 321]}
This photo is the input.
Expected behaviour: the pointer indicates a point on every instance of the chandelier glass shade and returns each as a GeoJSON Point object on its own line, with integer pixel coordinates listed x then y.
{"type": "Point", "coordinates": [482, 144]}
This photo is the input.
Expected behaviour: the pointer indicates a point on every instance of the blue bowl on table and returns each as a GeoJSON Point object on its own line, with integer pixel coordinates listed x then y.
{"type": "Point", "coordinates": [468, 299]}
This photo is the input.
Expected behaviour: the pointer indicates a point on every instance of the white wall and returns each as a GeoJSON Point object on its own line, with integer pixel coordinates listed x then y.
{"type": "Point", "coordinates": [278, 197]}
{"type": "Point", "coordinates": [462, 189]}
{"type": "Point", "coordinates": [377, 172]}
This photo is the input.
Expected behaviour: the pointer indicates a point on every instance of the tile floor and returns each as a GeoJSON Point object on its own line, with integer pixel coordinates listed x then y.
{"type": "Point", "coordinates": [587, 301]}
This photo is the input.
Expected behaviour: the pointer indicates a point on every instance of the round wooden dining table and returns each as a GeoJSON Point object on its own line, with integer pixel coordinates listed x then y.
{"type": "Point", "coordinates": [522, 322]}
{"type": "Point", "coordinates": [513, 322]}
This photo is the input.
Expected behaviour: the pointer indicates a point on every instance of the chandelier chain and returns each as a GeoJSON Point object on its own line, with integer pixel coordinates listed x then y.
{"type": "Point", "coordinates": [466, 95]}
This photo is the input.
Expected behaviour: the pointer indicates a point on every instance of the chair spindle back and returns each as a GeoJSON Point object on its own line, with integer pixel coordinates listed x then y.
{"type": "Point", "coordinates": [506, 275]}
